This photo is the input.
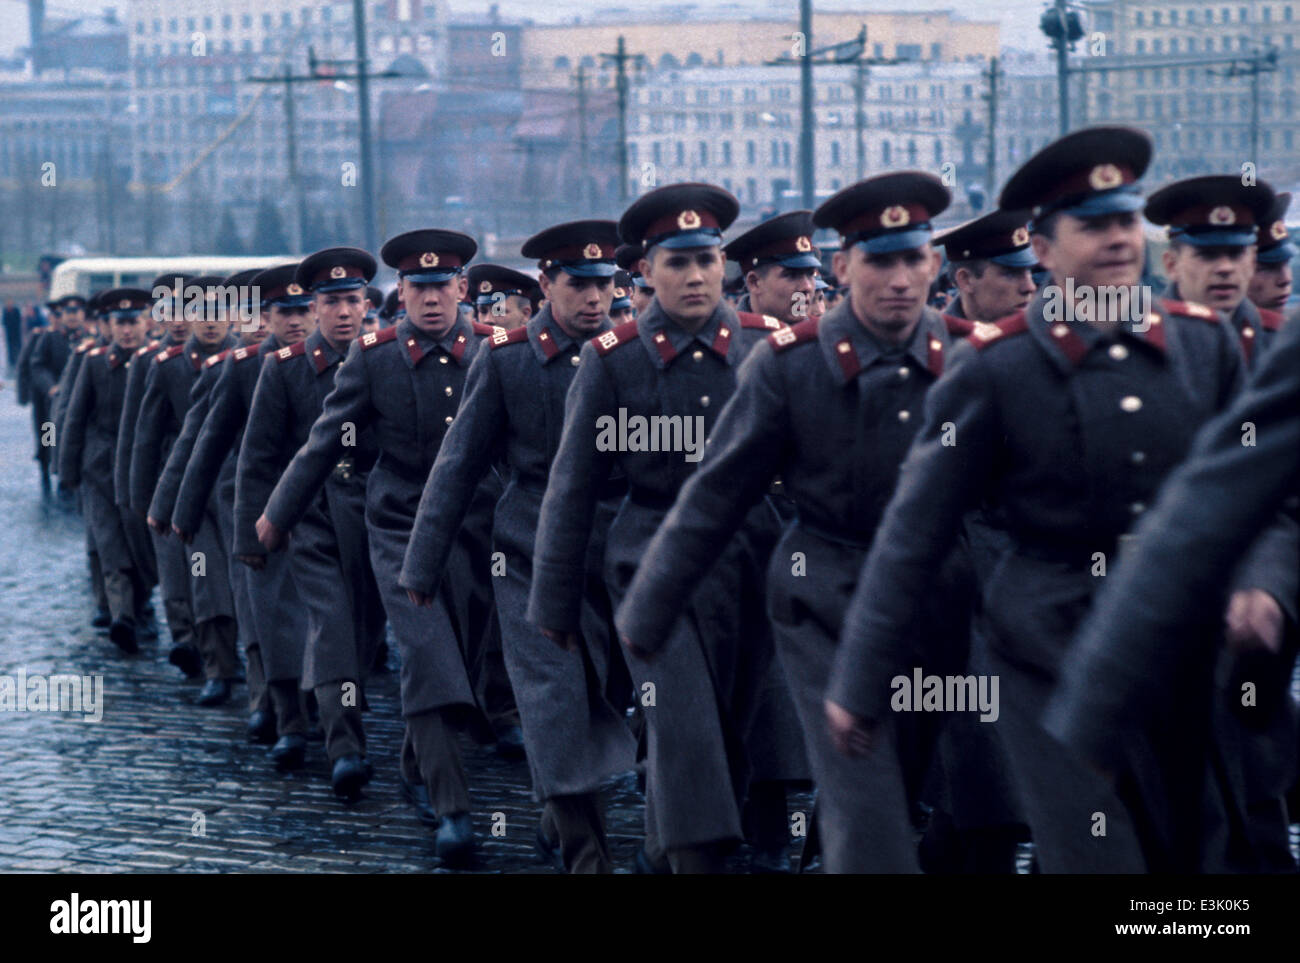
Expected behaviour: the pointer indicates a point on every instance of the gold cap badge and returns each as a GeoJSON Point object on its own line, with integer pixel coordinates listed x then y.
{"type": "Point", "coordinates": [1222, 215]}
{"type": "Point", "coordinates": [338, 271]}
{"type": "Point", "coordinates": [294, 289]}
{"type": "Point", "coordinates": [688, 220]}
{"type": "Point", "coordinates": [1105, 176]}
{"type": "Point", "coordinates": [1020, 236]}
{"type": "Point", "coordinates": [591, 252]}
{"type": "Point", "coordinates": [895, 216]}
{"type": "Point", "coordinates": [802, 244]}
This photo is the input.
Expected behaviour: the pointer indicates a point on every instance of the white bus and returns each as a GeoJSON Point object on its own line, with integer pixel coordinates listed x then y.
{"type": "Point", "coordinates": [85, 275]}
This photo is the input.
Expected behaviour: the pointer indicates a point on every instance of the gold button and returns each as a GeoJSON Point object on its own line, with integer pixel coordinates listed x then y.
{"type": "Point", "coordinates": [935, 344]}
{"type": "Point", "coordinates": [447, 420]}
{"type": "Point", "coordinates": [1059, 331]}
{"type": "Point", "coordinates": [904, 372]}
{"type": "Point", "coordinates": [697, 355]}
{"type": "Point", "coordinates": [1138, 457]}
{"type": "Point", "coordinates": [1118, 352]}
{"type": "Point", "coordinates": [447, 391]}
{"type": "Point", "coordinates": [1131, 403]}
{"type": "Point", "coordinates": [704, 401]}
{"type": "Point", "coordinates": [442, 359]}
{"type": "Point", "coordinates": [1137, 508]}
{"type": "Point", "coordinates": [1248, 333]}
{"type": "Point", "coordinates": [574, 361]}
{"type": "Point", "coordinates": [904, 415]}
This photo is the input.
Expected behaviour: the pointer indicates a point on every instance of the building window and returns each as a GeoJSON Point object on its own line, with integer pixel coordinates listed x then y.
{"type": "Point", "coordinates": [835, 153]}
{"type": "Point", "coordinates": [776, 153]}
{"type": "Point", "coordinates": [1242, 14]}
{"type": "Point", "coordinates": [1141, 46]}
{"type": "Point", "coordinates": [1155, 18]}
{"type": "Point", "coordinates": [704, 153]}
{"type": "Point", "coordinates": [884, 154]}
{"type": "Point", "coordinates": [1140, 19]}
{"type": "Point", "coordinates": [726, 153]}
{"type": "Point", "coordinates": [751, 152]}
{"type": "Point", "coordinates": [680, 153]}
{"type": "Point", "coordinates": [656, 153]}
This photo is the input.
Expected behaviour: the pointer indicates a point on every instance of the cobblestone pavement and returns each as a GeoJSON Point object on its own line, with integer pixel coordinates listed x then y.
{"type": "Point", "coordinates": [160, 784]}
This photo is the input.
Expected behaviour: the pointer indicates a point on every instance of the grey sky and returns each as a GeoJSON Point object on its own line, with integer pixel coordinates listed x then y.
{"type": "Point", "coordinates": [1019, 18]}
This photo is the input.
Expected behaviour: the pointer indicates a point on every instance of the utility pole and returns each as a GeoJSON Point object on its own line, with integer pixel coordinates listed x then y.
{"type": "Point", "coordinates": [806, 118]}
{"type": "Point", "coordinates": [1063, 28]}
{"type": "Point", "coordinates": [367, 148]}
{"type": "Point", "coordinates": [585, 194]}
{"type": "Point", "coordinates": [990, 165]}
{"type": "Point", "coordinates": [859, 104]}
{"type": "Point", "coordinates": [291, 146]}
{"type": "Point", "coordinates": [620, 58]}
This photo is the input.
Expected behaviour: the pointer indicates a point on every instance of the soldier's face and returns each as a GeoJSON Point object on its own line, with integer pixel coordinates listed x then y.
{"type": "Point", "coordinates": [687, 282]}
{"type": "Point", "coordinates": [178, 329]}
{"type": "Point", "coordinates": [621, 316]}
{"type": "Point", "coordinates": [434, 308]}
{"type": "Point", "coordinates": [818, 305]}
{"type": "Point", "coordinates": [888, 291]}
{"type": "Point", "coordinates": [579, 305]}
{"type": "Point", "coordinates": [289, 325]}
{"type": "Point", "coordinates": [783, 292]}
{"type": "Point", "coordinates": [339, 314]}
{"type": "Point", "coordinates": [1095, 251]}
{"type": "Point", "coordinates": [999, 291]}
{"type": "Point", "coordinates": [74, 319]}
{"type": "Point", "coordinates": [212, 327]}
{"type": "Point", "coordinates": [1214, 276]}
{"type": "Point", "coordinates": [128, 331]}
{"type": "Point", "coordinates": [510, 313]}
{"type": "Point", "coordinates": [1270, 288]}
{"type": "Point", "coordinates": [641, 298]}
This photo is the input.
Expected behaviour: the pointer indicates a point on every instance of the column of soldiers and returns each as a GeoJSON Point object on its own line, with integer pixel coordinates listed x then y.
{"type": "Point", "coordinates": [614, 522]}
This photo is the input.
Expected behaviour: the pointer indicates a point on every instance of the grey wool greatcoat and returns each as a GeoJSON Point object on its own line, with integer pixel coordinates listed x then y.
{"type": "Point", "coordinates": [704, 684]}
{"type": "Point", "coordinates": [1062, 434]}
{"type": "Point", "coordinates": [513, 412]}
{"type": "Point", "coordinates": [173, 386]}
{"type": "Point", "coordinates": [831, 411]}
{"type": "Point", "coordinates": [406, 387]}
{"type": "Point", "coordinates": [329, 551]}
{"type": "Point", "coordinates": [137, 531]}
{"type": "Point", "coordinates": [1208, 516]}
{"type": "Point", "coordinates": [88, 446]}
{"type": "Point", "coordinates": [270, 614]}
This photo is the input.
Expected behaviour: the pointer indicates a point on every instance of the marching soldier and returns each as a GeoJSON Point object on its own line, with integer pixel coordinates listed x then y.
{"type": "Point", "coordinates": [163, 560]}
{"type": "Point", "coordinates": [677, 360]}
{"type": "Point", "coordinates": [514, 410]}
{"type": "Point", "coordinates": [991, 263]}
{"type": "Point", "coordinates": [268, 610]}
{"type": "Point", "coordinates": [828, 405]}
{"type": "Point", "coordinates": [778, 266]}
{"type": "Point", "coordinates": [620, 307]}
{"type": "Point", "coordinates": [1270, 286]}
{"type": "Point", "coordinates": [86, 455]}
{"type": "Point", "coordinates": [501, 295]}
{"type": "Point", "coordinates": [45, 363]}
{"type": "Point", "coordinates": [406, 383]}
{"type": "Point", "coordinates": [166, 401]}
{"type": "Point", "coordinates": [1061, 431]}
{"type": "Point", "coordinates": [329, 545]}
{"type": "Point", "coordinates": [1211, 255]}
{"type": "Point", "coordinates": [628, 258]}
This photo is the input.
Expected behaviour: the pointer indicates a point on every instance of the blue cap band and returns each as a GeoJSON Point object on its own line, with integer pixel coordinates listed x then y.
{"type": "Point", "coordinates": [430, 277]}
{"type": "Point", "coordinates": [587, 269]}
{"type": "Point", "coordinates": [1278, 254]}
{"type": "Point", "coordinates": [1022, 258]}
{"type": "Point", "coordinates": [1215, 237]}
{"type": "Point", "coordinates": [896, 240]}
{"type": "Point", "coordinates": [342, 284]}
{"type": "Point", "coordinates": [640, 282]}
{"type": "Point", "coordinates": [1120, 200]}
{"type": "Point", "coordinates": [705, 237]}
{"type": "Point", "coordinates": [801, 259]}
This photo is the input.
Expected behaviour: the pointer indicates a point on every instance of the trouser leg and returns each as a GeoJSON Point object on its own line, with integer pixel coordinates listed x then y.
{"type": "Point", "coordinates": [119, 590]}
{"type": "Point", "coordinates": [705, 858]}
{"type": "Point", "coordinates": [259, 697]}
{"type": "Point", "coordinates": [438, 757]}
{"type": "Point", "coordinates": [289, 716]}
{"type": "Point", "coordinates": [180, 622]}
{"type": "Point", "coordinates": [340, 719]}
{"type": "Point", "coordinates": [97, 581]}
{"type": "Point", "coordinates": [216, 639]}
{"type": "Point", "coordinates": [579, 825]}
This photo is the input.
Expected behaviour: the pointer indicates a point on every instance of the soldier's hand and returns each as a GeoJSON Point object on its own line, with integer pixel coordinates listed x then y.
{"type": "Point", "coordinates": [645, 655]}
{"type": "Point", "coordinates": [270, 536]}
{"type": "Point", "coordinates": [565, 640]}
{"type": "Point", "coordinates": [255, 562]}
{"type": "Point", "coordinates": [420, 599]}
{"type": "Point", "coordinates": [157, 526]}
{"type": "Point", "coordinates": [1254, 621]}
{"type": "Point", "coordinates": [850, 734]}
{"type": "Point", "coordinates": [53, 391]}
{"type": "Point", "coordinates": [185, 537]}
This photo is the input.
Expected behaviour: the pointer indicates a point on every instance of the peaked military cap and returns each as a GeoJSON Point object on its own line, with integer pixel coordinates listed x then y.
{"type": "Point", "coordinates": [72, 301]}
{"type": "Point", "coordinates": [889, 212]}
{"type": "Point", "coordinates": [375, 297]}
{"type": "Point", "coordinates": [124, 302]}
{"type": "Point", "coordinates": [999, 236]}
{"type": "Point", "coordinates": [486, 281]}
{"type": "Point", "coordinates": [628, 256]}
{"type": "Point", "coordinates": [1087, 173]}
{"type": "Point", "coordinates": [1273, 239]}
{"type": "Point", "coordinates": [622, 292]}
{"type": "Point", "coordinates": [1211, 211]}
{"type": "Point", "coordinates": [279, 286]}
{"type": "Point", "coordinates": [785, 239]}
{"type": "Point", "coordinates": [336, 269]}
{"type": "Point", "coordinates": [392, 306]}
{"type": "Point", "coordinates": [679, 216]}
{"type": "Point", "coordinates": [429, 256]}
{"type": "Point", "coordinates": [585, 249]}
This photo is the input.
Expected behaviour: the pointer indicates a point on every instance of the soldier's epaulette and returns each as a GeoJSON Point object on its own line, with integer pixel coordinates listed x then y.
{"type": "Point", "coordinates": [372, 338]}
{"type": "Point", "coordinates": [147, 348]}
{"type": "Point", "coordinates": [759, 321]}
{"type": "Point", "coordinates": [1190, 309]}
{"type": "Point", "coordinates": [1271, 320]}
{"type": "Point", "coordinates": [501, 336]}
{"type": "Point", "coordinates": [169, 353]}
{"type": "Point", "coordinates": [958, 327]}
{"type": "Point", "coordinates": [611, 339]}
{"type": "Point", "coordinates": [485, 330]}
{"type": "Point", "coordinates": [242, 353]}
{"type": "Point", "coordinates": [85, 345]}
{"type": "Point", "coordinates": [788, 337]}
{"type": "Point", "coordinates": [216, 359]}
{"type": "Point", "coordinates": [96, 352]}
{"type": "Point", "coordinates": [293, 350]}
{"type": "Point", "coordinates": [984, 334]}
